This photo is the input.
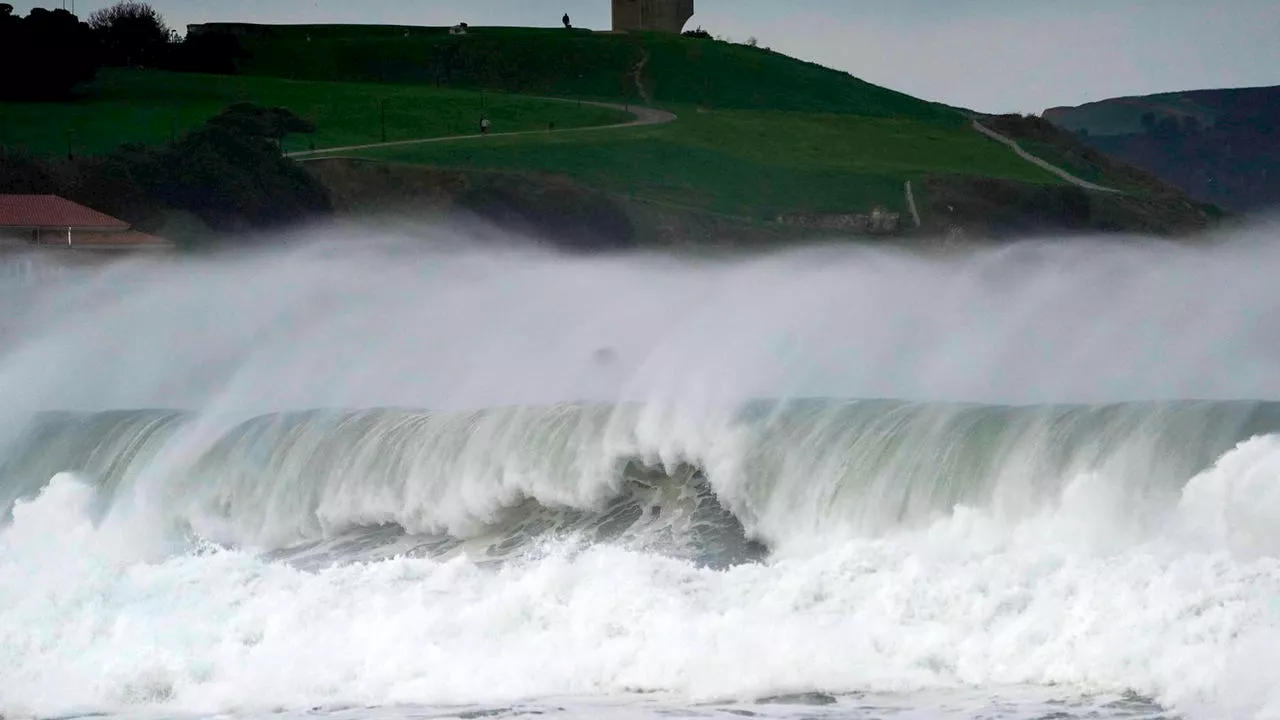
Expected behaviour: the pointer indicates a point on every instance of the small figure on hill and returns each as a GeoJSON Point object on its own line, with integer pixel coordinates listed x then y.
{"type": "Point", "coordinates": [566, 22]}
{"type": "Point", "coordinates": [484, 126]}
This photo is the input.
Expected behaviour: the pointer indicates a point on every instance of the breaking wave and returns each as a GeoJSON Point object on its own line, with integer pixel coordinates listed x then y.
{"type": "Point", "coordinates": [442, 480]}
{"type": "Point", "coordinates": [495, 482]}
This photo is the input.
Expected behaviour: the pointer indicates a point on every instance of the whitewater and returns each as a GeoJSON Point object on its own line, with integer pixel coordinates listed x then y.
{"type": "Point", "coordinates": [448, 473]}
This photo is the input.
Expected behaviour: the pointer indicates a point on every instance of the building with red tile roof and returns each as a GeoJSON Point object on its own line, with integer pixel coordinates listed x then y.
{"type": "Point", "coordinates": [49, 221]}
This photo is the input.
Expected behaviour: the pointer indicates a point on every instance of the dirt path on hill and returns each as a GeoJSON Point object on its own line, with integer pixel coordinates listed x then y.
{"type": "Point", "coordinates": [1013, 144]}
{"type": "Point", "coordinates": [643, 116]}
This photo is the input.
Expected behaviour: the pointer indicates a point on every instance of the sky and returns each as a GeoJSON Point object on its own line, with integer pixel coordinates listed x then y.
{"type": "Point", "coordinates": [987, 55]}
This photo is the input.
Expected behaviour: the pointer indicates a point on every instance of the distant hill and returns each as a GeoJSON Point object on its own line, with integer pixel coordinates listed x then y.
{"type": "Point", "coordinates": [1219, 146]}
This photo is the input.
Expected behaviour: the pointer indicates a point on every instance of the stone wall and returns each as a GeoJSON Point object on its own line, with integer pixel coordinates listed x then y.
{"type": "Point", "coordinates": [660, 15]}
{"type": "Point", "coordinates": [877, 222]}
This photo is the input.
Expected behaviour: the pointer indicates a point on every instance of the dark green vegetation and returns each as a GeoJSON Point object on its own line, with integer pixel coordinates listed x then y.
{"type": "Point", "coordinates": [153, 107]}
{"type": "Point", "coordinates": [986, 207]}
{"type": "Point", "coordinates": [1145, 203]}
{"type": "Point", "coordinates": [228, 173]}
{"type": "Point", "coordinates": [57, 73]}
{"type": "Point", "coordinates": [50, 52]}
{"type": "Point", "coordinates": [1220, 146]}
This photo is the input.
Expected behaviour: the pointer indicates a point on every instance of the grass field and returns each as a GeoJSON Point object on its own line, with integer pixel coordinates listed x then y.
{"type": "Point", "coordinates": [743, 163]}
{"type": "Point", "coordinates": [577, 63]}
{"type": "Point", "coordinates": [127, 106]}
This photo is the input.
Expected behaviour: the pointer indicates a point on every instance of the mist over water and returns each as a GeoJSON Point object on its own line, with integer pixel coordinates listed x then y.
{"type": "Point", "coordinates": [376, 471]}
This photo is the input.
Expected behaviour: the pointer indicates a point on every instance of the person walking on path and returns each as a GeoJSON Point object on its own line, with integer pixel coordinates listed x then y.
{"type": "Point", "coordinates": [566, 22]}
{"type": "Point", "coordinates": [484, 126]}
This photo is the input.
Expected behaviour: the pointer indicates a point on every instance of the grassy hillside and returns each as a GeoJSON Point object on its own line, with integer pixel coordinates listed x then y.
{"type": "Point", "coordinates": [759, 135]}
{"type": "Point", "coordinates": [578, 63]}
{"type": "Point", "coordinates": [149, 108]}
{"type": "Point", "coordinates": [1145, 203]}
{"type": "Point", "coordinates": [743, 163]}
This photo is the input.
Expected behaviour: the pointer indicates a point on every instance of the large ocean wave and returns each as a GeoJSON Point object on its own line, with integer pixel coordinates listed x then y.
{"type": "Point", "coordinates": [475, 479]}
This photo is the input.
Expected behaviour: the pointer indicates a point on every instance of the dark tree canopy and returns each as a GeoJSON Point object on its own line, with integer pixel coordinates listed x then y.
{"type": "Point", "coordinates": [249, 120]}
{"type": "Point", "coordinates": [229, 172]}
{"type": "Point", "coordinates": [28, 71]}
{"type": "Point", "coordinates": [132, 34]}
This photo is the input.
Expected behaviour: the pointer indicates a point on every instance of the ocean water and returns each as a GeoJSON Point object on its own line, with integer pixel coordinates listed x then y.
{"type": "Point", "coordinates": [376, 476]}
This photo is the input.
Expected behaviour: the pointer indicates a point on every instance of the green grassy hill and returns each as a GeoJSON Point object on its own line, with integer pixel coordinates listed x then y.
{"type": "Point", "coordinates": [759, 137]}
{"type": "Point", "coordinates": [149, 108]}
{"type": "Point", "coordinates": [760, 134]}
{"type": "Point", "coordinates": [572, 63]}
{"type": "Point", "coordinates": [749, 164]}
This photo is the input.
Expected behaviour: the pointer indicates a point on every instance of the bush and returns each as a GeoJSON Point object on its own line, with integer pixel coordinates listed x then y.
{"type": "Point", "coordinates": [232, 175]}
{"type": "Point", "coordinates": [229, 173]}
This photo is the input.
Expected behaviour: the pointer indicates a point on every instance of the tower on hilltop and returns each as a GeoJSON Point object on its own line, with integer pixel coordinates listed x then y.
{"type": "Point", "coordinates": [660, 15]}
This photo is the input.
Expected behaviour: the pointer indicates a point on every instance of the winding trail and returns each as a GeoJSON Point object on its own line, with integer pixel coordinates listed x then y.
{"type": "Point", "coordinates": [1013, 144]}
{"type": "Point", "coordinates": [643, 116]}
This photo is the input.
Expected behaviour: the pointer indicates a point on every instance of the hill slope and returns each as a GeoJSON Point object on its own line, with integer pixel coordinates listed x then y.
{"type": "Point", "coordinates": [653, 67]}
{"type": "Point", "coordinates": [762, 136]}
{"type": "Point", "coordinates": [765, 145]}
{"type": "Point", "coordinates": [151, 108]}
{"type": "Point", "coordinates": [1220, 146]}
{"type": "Point", "coordinates": [748, 164]}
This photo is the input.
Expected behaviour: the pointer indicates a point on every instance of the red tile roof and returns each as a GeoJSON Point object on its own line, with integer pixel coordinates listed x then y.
{"type": "Point", "coordinates": [51, 211]}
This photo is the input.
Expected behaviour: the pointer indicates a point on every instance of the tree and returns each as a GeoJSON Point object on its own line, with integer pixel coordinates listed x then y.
{"type": "Point", "coordinates": [231, 173]}
{"type": "Point", "coordinates": [28, 71]}
{"type": "Point", "coordinates": [132, 34]}
{"type": "Point", "coordinates": [249, 120]}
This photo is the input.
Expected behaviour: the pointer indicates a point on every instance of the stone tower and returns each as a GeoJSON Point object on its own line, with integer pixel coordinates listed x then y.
{"type": "Point", "coordinates": [661, 15]}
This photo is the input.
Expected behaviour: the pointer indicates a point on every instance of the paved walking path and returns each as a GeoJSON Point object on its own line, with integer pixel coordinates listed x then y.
{"type": "Point", "coordinates": [643, 116]}
{"type": "Point", "coordinates": [1037, 161]}
{"type": "Point", "coordinates": [911, 205]}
